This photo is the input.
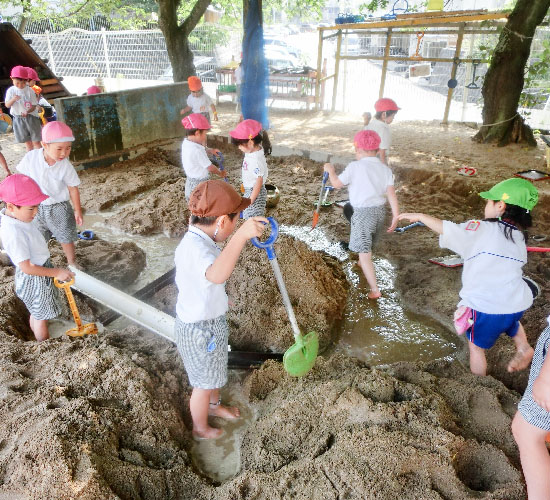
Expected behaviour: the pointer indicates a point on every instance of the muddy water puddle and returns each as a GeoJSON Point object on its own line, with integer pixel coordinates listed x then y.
{"type": "Point", "coordinates": [382, 331]}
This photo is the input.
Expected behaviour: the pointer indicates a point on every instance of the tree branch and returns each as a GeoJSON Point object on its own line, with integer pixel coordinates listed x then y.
{"type": "Point", "coordinates": [194, 16]}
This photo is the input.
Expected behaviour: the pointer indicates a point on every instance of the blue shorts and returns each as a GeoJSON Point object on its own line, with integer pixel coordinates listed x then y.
{"type": "Point", "coordinates": [487, 328]}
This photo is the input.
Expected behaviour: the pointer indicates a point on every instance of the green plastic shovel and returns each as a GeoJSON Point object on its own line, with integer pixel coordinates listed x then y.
{"type": "Point", "coordinates": [300, 357]}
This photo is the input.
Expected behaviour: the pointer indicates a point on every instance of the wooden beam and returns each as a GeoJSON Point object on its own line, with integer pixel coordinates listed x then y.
{"type": "Point", "coordinates": [453, 75]}
{"type": "Point", "coordinates": [318, 76]}
{"type": "Point", "coordinates": [424, 59]}
{"type": "Point", "coordinates": [385, 64]}
{"type": "Point", "coordinates": [336, 69]}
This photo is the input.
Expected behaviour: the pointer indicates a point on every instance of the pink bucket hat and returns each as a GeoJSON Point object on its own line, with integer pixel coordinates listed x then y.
{"type": "Point", "coordinates": [21, 191]}
{"type": "Point", "coordinates": [56, 132]}
{"type": "Point", "coordinates": [94, 89]}
{"type": "Point", "coordinates": [195, 121]}
{"type": "Point", "coordinates": [19, 72]}
{"type": "Point", "coordinates": [247, 129]}
{"type": "Point", "coordinates": [386, 104]}
{"type": "Point", "coordinates": [367, 140]}
{"type": "Point", "coordinates": [32, 74]}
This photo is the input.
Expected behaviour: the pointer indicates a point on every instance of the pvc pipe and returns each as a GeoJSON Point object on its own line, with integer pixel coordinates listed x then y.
{"type": "Point", "coordinates": [143, 314]}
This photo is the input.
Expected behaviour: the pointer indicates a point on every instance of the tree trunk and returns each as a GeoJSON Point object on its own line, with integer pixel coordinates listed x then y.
{"type": "Point", "coordinates": [505, 78]}
{"type": "Point", "coordinates": [177, 35]}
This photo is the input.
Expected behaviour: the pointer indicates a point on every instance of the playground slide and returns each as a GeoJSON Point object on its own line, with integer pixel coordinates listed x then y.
{"type": "Point", "coordinates": [143, 314]}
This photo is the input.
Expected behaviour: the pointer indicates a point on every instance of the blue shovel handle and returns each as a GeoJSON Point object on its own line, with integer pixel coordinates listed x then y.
{"type": "Point", "coordinates": [220, 164]}
{"type": "Point", "coordinates": [268, 244]}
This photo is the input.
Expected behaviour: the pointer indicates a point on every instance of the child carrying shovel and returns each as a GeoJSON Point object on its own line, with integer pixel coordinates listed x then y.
{"type": "Point", "coordinates": [201, 272]}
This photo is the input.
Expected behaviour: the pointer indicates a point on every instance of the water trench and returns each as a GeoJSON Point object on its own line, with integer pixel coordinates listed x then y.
{"type": "Point", "coordinates": [377, 332]}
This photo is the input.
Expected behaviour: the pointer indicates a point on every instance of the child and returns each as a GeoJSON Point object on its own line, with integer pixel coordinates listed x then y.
{"type": "Point", "coordinates": [248, 137]}
{"type": "Point", "coordinates": [22, 101]}
{"type": "Point", "coordinates": [494, 253]}
{"type": "Point", "coordinates": [194, 153]}
{"type": "Point", "coordinates": [198, 101]}
{"type": "Point", "coordinates": [54, 173]}
{"type": "Point", "coordinates": [369, 183]}
{"type": "Point", "coordinates": [532, 423]}
{"type": "Point", "coordinates": [28, 250]}
{"type": "Point", "coordinates": [94, 89]}
{"type": "Point", "coordinates": [366, 119]}
{"type": "Point", "coordinates": [201, 272]}
{"type": "Point", "coordinates": [33, 81]}
{"type": "Point", "coordinates": [386, 110]}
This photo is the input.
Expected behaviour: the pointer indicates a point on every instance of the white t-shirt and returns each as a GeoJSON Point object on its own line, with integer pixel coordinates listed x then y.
{"type": "Point", "coordinates": [383, 130]}
{"type": "Point", "coordinates": [367, 180]}
{"type": "Point", "coordinates": [198, 298]}
{"type": "Point", "coordinates": [22, 241]}
{"type": "Point", "coordinates": [28, 99]}
{"type": "Point", "coordinates": [254, 166]}
{"type": "Point", "coordinates": [199, 104]}
{"type": "Point", "coordinates": [53, 180]}
{"type": "Point", "coordinates": [238, 75]}
{"type": "Point", "coordinates": [194, 159]}
{"type": "Point", "coordinates": [492, 277]}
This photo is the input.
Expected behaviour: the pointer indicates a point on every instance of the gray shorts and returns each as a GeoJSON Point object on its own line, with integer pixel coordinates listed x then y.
{"type": "Point", "coordinates": [57, 220]}
{"type": "Point", "coordinates": [190, 184]}
{"type": "Point", "coordinates": [38, 293]}
{"type": "Point", "coordinates": [27, 128]}
{"type": "Point", "coordinates": [367, 223]}
{"type": "Point", "coordinates": [530, 410]}
{"type": "Point", "coordinates": [206, 114]}
{"type": "Point", "coordinates": [203, 348]}
{"type": "Point", "coordinates": [258, 207]}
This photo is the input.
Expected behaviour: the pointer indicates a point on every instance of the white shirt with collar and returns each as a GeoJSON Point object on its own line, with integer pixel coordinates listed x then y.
{"type": "Point", "coordinates": [194, 160]}
{"type": "Point", "coordinates": [492, 278]}
{"type": "Point", "coordinates": [198, 298]}
{"type": "Point", "coordinates": [28, 99]}
{"type": "Point", "coordinates": [53, 180]}
{"type": "Point", "coordinates": [22, 241]}
{"type": "Point", "coordinates": [200, 104]}
{"type": "Point", "coordinates": [254, 166]}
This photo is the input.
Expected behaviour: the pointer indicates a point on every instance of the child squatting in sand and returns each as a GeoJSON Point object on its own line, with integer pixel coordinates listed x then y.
{"type": "Point", "coordinates": [202, 269]}
{"type": "Point", "coordinates": [494, 295]}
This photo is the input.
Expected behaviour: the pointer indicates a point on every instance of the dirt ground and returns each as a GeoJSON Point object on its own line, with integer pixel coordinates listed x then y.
{"type": "Point", "coordinates": [107, 417]}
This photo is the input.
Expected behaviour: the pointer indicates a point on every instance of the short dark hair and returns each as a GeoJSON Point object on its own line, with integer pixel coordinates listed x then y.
{"type": "Point", "coordinates": [191, 131]}
{"type": "Point", "coordinates": [207, 221]}
{"type": "Point", "coordinates": [390, 112]}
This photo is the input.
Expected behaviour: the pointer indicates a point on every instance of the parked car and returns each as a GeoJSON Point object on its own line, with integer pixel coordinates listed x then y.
{"type": "Point", "coordinates": [277, 42]}
{"type": "Point", "coordinates": [277, 59]}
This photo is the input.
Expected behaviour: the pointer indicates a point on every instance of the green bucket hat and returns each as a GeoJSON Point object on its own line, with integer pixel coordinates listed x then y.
{"type": "Point", "coordinates": [518, 192]}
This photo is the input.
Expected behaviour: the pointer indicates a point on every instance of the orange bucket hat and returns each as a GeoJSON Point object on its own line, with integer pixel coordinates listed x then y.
{"type": "Point", "coordinates": [194, 83]}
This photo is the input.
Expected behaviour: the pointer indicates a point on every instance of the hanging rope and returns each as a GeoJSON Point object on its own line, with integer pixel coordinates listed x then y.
{"type": "Point", "coordinates": [498, 123]}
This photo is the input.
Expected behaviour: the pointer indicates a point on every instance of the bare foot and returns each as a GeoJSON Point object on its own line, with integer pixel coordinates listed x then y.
{"type": "Point", "coordinates": [227, 412]}
{"type": "Point", "coordinates": [521, 359]}
{"type": "Point", "coordinates": [374, 295]}
{"type": "Point", "coordinates": [208, 433]}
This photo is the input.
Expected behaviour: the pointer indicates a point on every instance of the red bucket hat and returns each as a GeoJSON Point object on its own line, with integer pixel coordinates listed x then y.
{"type": "Point", "coordinates": [56, 132]}
{"type": "Point", "coordinates": [194, 83]}
{"type": "Point", "coordinates": [247, 129]}
{"type": "Point", "coordinates": [21, 191]}
{"type": "Point", "coordinates": [19, 72]}
{"type": "Point", "coordinates": [385, 104]}
{"type": "Point", "coordinates": [32, 74]}
{"type": "Point", "coordinates": [94, 89]}
{"type": "Point", "coordinates": [195, 121]}
{"type": "Point", "coordinates": [367, 140]}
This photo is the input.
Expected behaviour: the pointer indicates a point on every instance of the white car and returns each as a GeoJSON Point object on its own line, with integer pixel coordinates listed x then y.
{"type": "Point", "coordinates": [279, 59]}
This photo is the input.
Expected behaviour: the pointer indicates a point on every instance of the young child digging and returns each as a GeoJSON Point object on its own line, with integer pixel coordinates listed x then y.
{"type": "Point", "coordinates": [53, 172]}
{"type": "Point", "coordinates": [198, 101]}
{"type": "Point", "coordinates": [494, 295]}
{"type": "Point", "coordinates": [29, 252]}
{"type": "Point", "coordinates": [369, 183]}
{"type": "Point", "coordinates": [386, 109]}
{"type": "Point", "coordinates": [201, 272]}
{"type": "Point", "coordinates": [531, 424]}
{"type": "Point", "coordinates": [248, 137]}
{"type": "Point", "coordinates": [194, 153]}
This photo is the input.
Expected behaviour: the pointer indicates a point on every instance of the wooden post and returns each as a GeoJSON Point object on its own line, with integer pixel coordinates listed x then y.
{"type": "Point", "coordinates": [336, 69]}
{"type": "Point", "coordinates": [318, 77]}
{"type": "Point", "coordinates": [385, 64]}
{"type": "Point", "coordinates": [453, 73]}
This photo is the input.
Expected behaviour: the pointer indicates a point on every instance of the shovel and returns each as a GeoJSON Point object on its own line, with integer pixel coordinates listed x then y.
{"type": "Point", "coordinates": [316, 213]}
{"type": "Point", "coordinates": [219, 161]}
{"type": "Point", "coordinates": [80, 330]}
{"type": "Point", "coordinates": [300, 357]}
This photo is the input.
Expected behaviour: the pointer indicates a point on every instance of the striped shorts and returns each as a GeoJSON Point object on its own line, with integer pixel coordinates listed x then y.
{"type": "Point", "coordinates": [203, 348]}
{"type": "Point", "coordinates": [57, 220]}
{"type": "Point", "coordinates": [367, 223]}
{"type": "Point", "coordinates": [258, 207]}
{"type": "Point", "coordinates": [530, 410]}
{"type": "Point", "coordinates": [27, 128]}
{"type": "Point", "coordinates": [190, 184]}
{"type": "Point", "coordinates": [38, 293]}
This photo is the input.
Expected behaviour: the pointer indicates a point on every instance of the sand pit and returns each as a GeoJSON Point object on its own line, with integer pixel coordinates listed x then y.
{"type": "Point", "coordinates": [108, 416]}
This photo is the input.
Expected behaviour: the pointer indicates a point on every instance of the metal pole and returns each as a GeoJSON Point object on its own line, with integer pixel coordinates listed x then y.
{"type": "Point", "coordinates": [318, 77]}
{"type": "Point", "coordinates": [106, 51]}
{"type": "Point", "coordinates": [456, 61]}
{"type": "Point", "coordinates": [467, 79]}
{"type": "Point", "coordinates": [385, 64]}
{"type": "Point", "coordinates": [336, 69]}
{"type": "Point", "coordinates": [50, 52]}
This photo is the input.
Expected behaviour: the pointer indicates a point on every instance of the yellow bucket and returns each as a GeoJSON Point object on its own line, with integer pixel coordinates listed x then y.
{"type": "Point", "coordinates": [435, 5]}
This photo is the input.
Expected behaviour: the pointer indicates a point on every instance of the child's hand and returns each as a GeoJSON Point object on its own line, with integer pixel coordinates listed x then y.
{"type": "Point", "coordinates": [182, 112]}
{"type": "Point", "coordinates": [214, 151]}
{"type": "Point", "coordinates": [410, 217]}
{"type": "Point", "coordinates": [394, 222]}
{"type": "Point", "coordinates": [328, 167]}
{"type": "Point", "coordinates": [63, 274]}
{"type": "Point", "coordinates": [541, 392]}
{"type": "Point", "coordinates": [16, 98]}
{"type": "Point", "coordinates": [24, 114]}
{"type": "Point", "coordinates": [252, 228]}
{"type": "Point", "coordinates": [78, 217]}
